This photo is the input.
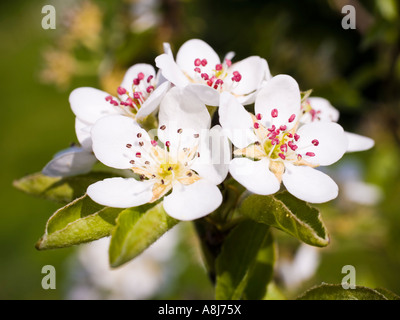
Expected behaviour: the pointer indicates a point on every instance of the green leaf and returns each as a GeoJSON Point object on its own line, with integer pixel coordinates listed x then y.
{"type": "Point", "coordinates": [336, 292]}
{"type": "Point", "coordinates": [237, 259]}
{"type": "Point", "coordinates": [289, 214]}
{"type": "Point", "coordinates": [262, 271]}
{"type": "Point", "coordinates": [387, 293]}
{"type": "Point", "coordinates": [80, 221]}
{"type": "Point", "coordinates": [137, 228]}
{"type": "Point", "coordinates": [58, 189]}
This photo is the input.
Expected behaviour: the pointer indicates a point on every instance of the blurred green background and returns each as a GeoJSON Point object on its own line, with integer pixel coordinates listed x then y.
{"type": "Point", "coordinates": [96, 41]}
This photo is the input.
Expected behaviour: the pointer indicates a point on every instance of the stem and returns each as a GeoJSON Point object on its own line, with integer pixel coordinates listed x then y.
{"type": "Point", "coordinates": [211, 240]}
{"type": "Point", "coordinates": [214, 228]}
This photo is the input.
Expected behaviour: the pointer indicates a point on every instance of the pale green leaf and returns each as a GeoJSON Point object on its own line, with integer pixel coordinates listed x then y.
{"type": "Point", "coordinates": [289, 214]}
{"type": "Point", "coordinates": [337, 292]}
{"type": "Point", "coordinates": [137, 228]}
{"type": "Point", "coordinates": [80, 221]}
{"type": "Point", "coordinates": [58, 189]}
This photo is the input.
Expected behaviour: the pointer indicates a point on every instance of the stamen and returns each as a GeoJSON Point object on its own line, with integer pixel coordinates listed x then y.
{"type": "Point", "coordinates": [275, 142]}
{"type": "Point", "coordinates": [296, 137]}
{"type": "Point", "coordinates": [163, 127]}
{"type": "Point", "coordinates": [204, 62]}
{"type": "Point", "coordinates": [139, 135]}
{"type": "Point", "coordinates": [256, 125]}
{"type": "Point", "coordinates": [121, 91]}
{"type": "Point", "coordinates": [292, 117]}
{"type": "Point", "coordinates": [218, 67]}
{"type": "Point", "coordinates": [140, 76]}
{"type": "Point", "coordinates": [129, 145]}
{"type": "Point", "coordinates": [154, 143]}
{"type": "Point", "coordinates": [282, 156]}
{"type": "Point", "coordinates": [292, 145]}
{"type": "Point", "coordinates": [197, 62]}
{"type": "Point", "coordinates": [310, 154]}
{"type": "Point", "coordinates": [259, 116]}
{"type": "Point", "coordinates": [138, 155]}
{"type": "Point", "coordinates": [274, 113]}
{"type": "Point", "coordinates": [315, 142]}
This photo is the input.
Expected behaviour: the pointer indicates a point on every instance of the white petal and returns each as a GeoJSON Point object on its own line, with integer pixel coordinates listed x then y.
{"type": "Point", "coordinates": [255, 176]}
{"type": "Point", "coordinates": [252, 70]}
{"type": "Point", "coordinates": [196, 49]}
{"type": "Point", "coordinates": [332, 142]}
{"type": "Point", "coordinates": [247, 99]}
{"type": "Point", "coordinates": [82, 130]}
{"type": "Point", "coordinates": [325, 111]}
{"type": "Point", "coordinates": [89, 104]}
{"type": "Point", "coordinates": [111, 135]}
{"type": "Point", "coordinates": [192, 201]}
{"type": "Point", "coordinates": [167, 48]}
{"type": "Point", "coordinates": [281, 93]}
{"type": "Point", "coordinates": [236, 121]}
{"type": "Point", "coordinates": [229, 55]}
{"type": "Point", "coordinates": [180, 109]}
{"type": "Point", "coordinates": [70, 162]}
{"type": "Point", "coordinates": [170, 70]}
{"type": "Point", "coordinates": [206, 94]}
{"type": "Point", "coordinates": [358, 142]}
{"type": "Point", "coordinates": [121, 192]}
{"type": "Point", "coordinates": [153, 101]}
{"type": "Point", "coordinates": [132, 73]}
{"type": "Point", "coordinates": [215, 156]}
{"type": "Point", "coordinates": [309, 184]}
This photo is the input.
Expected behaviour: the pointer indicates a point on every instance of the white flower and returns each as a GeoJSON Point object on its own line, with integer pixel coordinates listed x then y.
{"type": "Point", "coordinates": [182, 160]}
{"type": "Point", "coordinates": [274, 148]}
{"type": "Point", "coordinates": [139, 95]}
{"type": "Point", "coordinates": [320, 109]}
{"type": "Point", "coordinates": [199, 68]}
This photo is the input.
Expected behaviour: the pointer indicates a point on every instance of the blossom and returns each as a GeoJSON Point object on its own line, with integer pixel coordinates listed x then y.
{"type": "Point", "coordinates": [320, 109]}
{"type": "Point", "coordinates": [139, 95]}
{"type": "Point", "coordinates": [273, 147]}
{"type": "Point", "coordinates": [199, 68]}
{"type": "Point", "coordinates": [180, 161]}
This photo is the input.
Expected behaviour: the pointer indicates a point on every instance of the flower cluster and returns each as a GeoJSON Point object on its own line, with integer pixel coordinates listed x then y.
{"type": "Point", "coordinates": [183, 159]}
